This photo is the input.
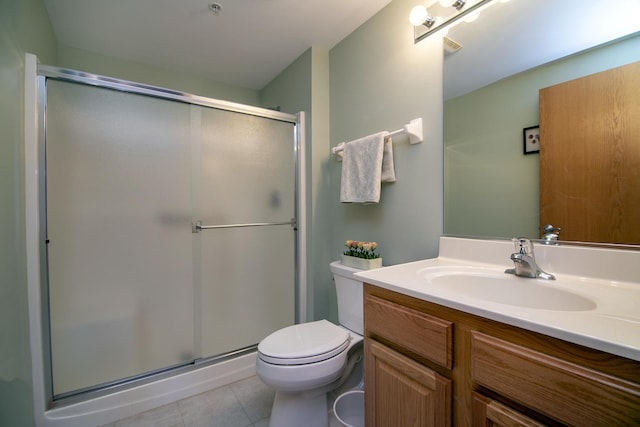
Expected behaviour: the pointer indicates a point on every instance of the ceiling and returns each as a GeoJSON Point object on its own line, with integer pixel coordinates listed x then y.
{"type": "Point", "coordinates": [247, 44]}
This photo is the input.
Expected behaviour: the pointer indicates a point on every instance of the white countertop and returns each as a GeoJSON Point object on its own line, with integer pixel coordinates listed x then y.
{"type": "Point", "coordinates": [610, 278]}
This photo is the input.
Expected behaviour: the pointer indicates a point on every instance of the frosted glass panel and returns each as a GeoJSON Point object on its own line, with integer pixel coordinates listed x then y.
{"type": "Point", "coordinates": [132, 289]}
{"type": "Point", "coordinates": [247, 286]}
{"type": "Point", "coordinates": [247, 274]}
{"type": "Point", "coordinates": [119, 223]}
{"type": "Point", "coordinates": [247, 169]}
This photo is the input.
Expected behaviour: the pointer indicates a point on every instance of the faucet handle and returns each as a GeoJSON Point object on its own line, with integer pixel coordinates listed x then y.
{"type": "Point", "coordinates": [550, 234]}
{"type": "Point", "coordinates": [550, 228]}
{"type": "Point", "coordinates": [523, 245]}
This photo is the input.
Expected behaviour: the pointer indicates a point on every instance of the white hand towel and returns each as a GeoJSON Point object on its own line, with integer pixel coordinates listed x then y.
{"type": "Point", "coordinates": [388, 170]}
{"type": "Point", "coordinates": [362, 169]}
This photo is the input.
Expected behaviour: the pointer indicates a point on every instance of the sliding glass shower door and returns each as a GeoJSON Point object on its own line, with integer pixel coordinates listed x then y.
{"type": "Point", "coordinates": [118, 204]}
{"type": "Point", "coordinates": [246, 190]}
{"type": "Point", "coordinates": [169, 232]}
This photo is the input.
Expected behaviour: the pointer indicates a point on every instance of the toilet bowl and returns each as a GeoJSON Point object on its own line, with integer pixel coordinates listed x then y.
{"type": "Point", "coordinates": [305, 362]}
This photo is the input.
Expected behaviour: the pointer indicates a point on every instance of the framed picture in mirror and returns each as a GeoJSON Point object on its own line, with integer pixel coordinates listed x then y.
{"type": "Point", "coordinates": [531, 137]}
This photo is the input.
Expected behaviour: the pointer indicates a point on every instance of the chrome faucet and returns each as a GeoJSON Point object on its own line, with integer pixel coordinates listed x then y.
{"type": "Point", "coordinates": [551, 234]}
{"type": "Point", "coordinates": [525, 262]}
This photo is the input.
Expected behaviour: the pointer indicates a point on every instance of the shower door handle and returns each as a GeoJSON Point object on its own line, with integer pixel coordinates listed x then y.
{"type": "Point", "coordinates": [198, 225]}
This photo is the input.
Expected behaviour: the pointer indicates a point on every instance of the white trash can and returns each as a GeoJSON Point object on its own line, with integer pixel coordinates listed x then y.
{"type": "Point", "coordinates": [349, 408]}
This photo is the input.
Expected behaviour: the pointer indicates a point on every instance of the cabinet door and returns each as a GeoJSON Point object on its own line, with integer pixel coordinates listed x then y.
{"type": "Point", "coordinates": [590, 157]}
{"type": "Point", "coordinates": [401, 392]}
{"type": "Point", "coordinates": [489, 413]}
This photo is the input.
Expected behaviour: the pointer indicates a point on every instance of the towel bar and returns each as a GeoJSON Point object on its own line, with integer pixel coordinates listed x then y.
{"type": "Point", "coordinates": [413, 129]}
{"type": "Point", "coordinates": [197, 227]}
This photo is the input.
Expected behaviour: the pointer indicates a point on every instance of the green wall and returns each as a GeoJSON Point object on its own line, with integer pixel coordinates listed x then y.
{"type": "Point", "coordinates": [491, 187]}
{"type": "Point", "coordinates": [380, 80]}
{"type": "Point", "coordinates": [304, 86]}
{"type": "Point", "coordinates": [24, 27]}
{"type": "Point", "coordinates": [375, 79]}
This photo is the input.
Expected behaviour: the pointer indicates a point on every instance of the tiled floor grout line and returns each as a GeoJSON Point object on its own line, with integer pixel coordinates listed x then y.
{"type": "Point", "coordinates": [242, 406]}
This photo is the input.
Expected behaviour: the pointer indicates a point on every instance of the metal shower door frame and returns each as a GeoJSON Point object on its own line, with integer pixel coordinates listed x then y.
{"type": "Point", "coordinates": [45, 72]}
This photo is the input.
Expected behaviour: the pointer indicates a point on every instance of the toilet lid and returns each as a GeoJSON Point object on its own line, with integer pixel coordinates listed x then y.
{"type": "Point", "coordinates": [304, 343]}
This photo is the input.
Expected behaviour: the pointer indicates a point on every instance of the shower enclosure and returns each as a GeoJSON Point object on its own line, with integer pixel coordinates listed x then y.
{"type": "Point", "coordinates": [168, 231]}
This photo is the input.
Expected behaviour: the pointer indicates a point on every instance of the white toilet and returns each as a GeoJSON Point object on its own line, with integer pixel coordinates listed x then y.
{"type": "Point", "coordinates": [305, 362]}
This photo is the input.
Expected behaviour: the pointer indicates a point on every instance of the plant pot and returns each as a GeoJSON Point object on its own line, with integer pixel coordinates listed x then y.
{"type": "Point", "coordinates": [361, 263]}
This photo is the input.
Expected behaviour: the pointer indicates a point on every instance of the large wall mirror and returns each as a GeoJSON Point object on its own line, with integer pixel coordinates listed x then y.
{"type": "Point", "coordinates": [491, 85]}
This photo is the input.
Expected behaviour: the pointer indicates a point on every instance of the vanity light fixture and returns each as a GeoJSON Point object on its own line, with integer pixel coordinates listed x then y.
{"type": "Point", "coordinates": [458, 4]}
{"type": "Point", "coordinates": [440, 14]}
{"type": "Point", "coordinates": [420, 16]}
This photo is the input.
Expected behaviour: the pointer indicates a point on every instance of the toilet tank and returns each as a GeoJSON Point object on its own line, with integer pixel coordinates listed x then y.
{"type": "Point", "coordinates": [349, 295]}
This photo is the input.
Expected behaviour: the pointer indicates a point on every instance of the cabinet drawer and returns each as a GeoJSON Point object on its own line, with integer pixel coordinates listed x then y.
{"type": "Point", "coordinates": [562, 390]}
{"type": "Point", "coordinates": [420, 333]}
{"type": "Point", "coordinates": [488, 412]}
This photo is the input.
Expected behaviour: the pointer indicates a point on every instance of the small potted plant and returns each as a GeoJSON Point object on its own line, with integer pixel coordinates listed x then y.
{"type": "Point", "coordinates": [361, 255]}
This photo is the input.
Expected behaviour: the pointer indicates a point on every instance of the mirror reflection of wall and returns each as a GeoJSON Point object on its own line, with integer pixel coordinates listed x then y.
{"type": "Point", "coordinates": [491, 187]}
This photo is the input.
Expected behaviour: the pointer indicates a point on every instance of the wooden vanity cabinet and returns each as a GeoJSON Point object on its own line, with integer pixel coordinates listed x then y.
{"type": "Point", "coordinates": [427, 364]}
{"type": "Point", "coordinates": [402, 392]}
{"type": "Point", "coordinates": [399, 390]}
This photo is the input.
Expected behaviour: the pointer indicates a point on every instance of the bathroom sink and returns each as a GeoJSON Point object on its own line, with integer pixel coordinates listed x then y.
{"type": "Point", "coordinates": [490, 285]}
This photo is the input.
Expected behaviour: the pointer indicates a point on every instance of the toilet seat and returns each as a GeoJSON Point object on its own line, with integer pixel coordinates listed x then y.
{"type": "Point", "coordinates": [304, 343]}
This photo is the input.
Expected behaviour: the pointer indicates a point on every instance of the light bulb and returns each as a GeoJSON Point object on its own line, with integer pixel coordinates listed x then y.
{"type": "Point", "coordinates": [418, 15]}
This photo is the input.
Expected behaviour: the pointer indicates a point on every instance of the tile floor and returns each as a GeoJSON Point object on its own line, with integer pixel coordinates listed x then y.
{"type": "Point", "coordinates": [246, 403]}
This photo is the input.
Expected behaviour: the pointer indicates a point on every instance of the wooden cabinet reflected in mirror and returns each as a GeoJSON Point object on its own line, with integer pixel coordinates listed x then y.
{"type": "Point", "coordinates": [590, 157]}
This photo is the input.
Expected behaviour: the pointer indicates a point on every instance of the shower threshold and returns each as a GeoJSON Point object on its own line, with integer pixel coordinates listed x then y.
{"type": "Point", "coordinates": [119, 386]}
